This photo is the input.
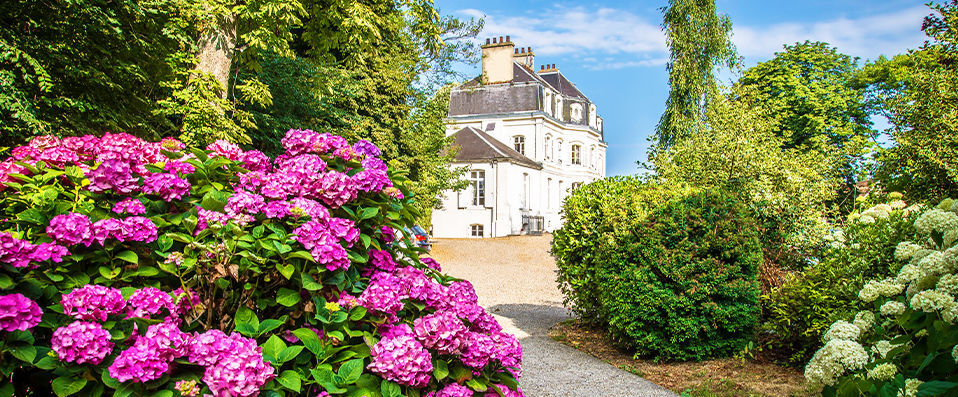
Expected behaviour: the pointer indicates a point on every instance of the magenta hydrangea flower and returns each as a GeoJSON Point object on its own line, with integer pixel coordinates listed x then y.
{"type": "Point", "coordinates": [366, 148]}
{"type": "Point", "coordinates": [311, 208]}
{"type": "Point", "coordinates": [15, 251]}
{"type": "Point", "coordinates": [373, 178]}
{"type": "Point", "coordinates": [58, 156]}
{"type": "Point", "coordinates": [399, 357]}
{"type": "Point", "coordinates": [255, 160]}
{"type": "Point", "coordinates": [140, 363]}
{"type": "Point", "coordinates": [85, 146]}
{"type": "Point", "coordinates": [242, 202]}
{"type": "Point", "coordinates": [452, 390]}
{"type": "Point", "coordinates": [344, 229]}
{"type": "Point", "coordinates": [205, 218]}
{"type": "Point", "coordinates": [138, 228]}
{"type": "Point", "coordinates": [179, 168]}
{"type": "Point", "coordinates": [382, 259]}
{"type": "Point", "coordinates": [277, 209]}
{"type": "Point", "coordinates": [461, 297]}
{"type": "Point", "coordinates": [71, 229]}
{"type": "Point", "coordinates": [346, 153]}
{"type": "Point", "coordinates": [81, 342]}
{"type": "Point", "coordinates": [112, 176]}
{"type": "Point", "coordinates": [347, 301]}
{"type": "Point", "coordinates": [93, 302]}
{"type": "Point", "coordinates": [48, 252]}
{"type": "Point", "coordinates": [44, 142]}
{"type": "Point", "coordinates": [122, 146]}
{"type": "Point", "coordinates": [130, 206]}
{"type": "Point", "coordinates": [299, 141]}
{"type": "Point", "coordinates": [431, 263]}
{"type": "Point", "coordinates": [335, 189]}
{"type": "Point", "coordinates": [6, 169]}
{"type": "Point", "coordinates": [234, 364]}
{"type": "Point", "coordinates": [508, 350]}
{"type": "Point", "coordinates": [223, 148]}
{"type": "Point", "coordinates": [147, 302]}
{"type": "Point", "coordinates": [388, 235]}
{"type": "Point", "coordinates": [322, 244]}
{"type": "Point", "coordinates": [479, 349]}
{"type": "Point", "coordinates": [108, 228]}
{"type": "Point", "coordinates": [18, 313]}
{"type": "Point", "coordinates": [441, 331]}
{"type": "Point", "coordinates": [168, 186]}
{"type": "Point", "coordinates": [384, 294]}
{"type": "Point", "coordinates": [417, 285]}
{"type": "Point", "coordinates": [485, 323]}
{"type": "Point", "coordinates": [185, 300]}
{"type": "Point", "coordinates": [167, 340]}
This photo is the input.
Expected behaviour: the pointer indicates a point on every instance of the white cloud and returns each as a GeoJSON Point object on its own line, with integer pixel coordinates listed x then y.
{"type": "Point", "coordinates": [622, 39]}
{"type": "Point", "coordinates": [866, 37]}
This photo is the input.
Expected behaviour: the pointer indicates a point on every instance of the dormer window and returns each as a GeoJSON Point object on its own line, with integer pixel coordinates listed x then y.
{"type": "Point", "coordinates": [519, 143]}
{"type": "Point", "coordinates": [547, 104]}
{"type": "Point", "coordinates": [558, 113]}
{"type": "Point", "coordinates": [592, 116]}
{"type": "Point", "coordinates": [576, 112]}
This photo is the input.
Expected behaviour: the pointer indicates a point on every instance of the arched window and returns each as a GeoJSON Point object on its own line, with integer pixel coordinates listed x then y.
{"type": "Point", "coordinates": [519, 143]}
{"type": "Point", "coordinates": [549, 199]}
{"type": "Point", "coordinates": [592, 157]}
{"type": "Point", "coordinates": [577, 154]}
{"type": "Point", "coordinates": [558, 113]}
{"type": "Point", "coordinates": [559, 151]}
{"type": "Point", "coordinates": [575, 111]}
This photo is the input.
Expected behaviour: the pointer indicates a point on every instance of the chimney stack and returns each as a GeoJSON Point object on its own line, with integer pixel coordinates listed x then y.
{"type": "Point", "coordinates": [526, 57]}
{"type": "Point", "coordinates": [497, 60]}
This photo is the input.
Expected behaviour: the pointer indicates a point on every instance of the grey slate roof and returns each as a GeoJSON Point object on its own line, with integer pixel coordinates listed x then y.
{"type": "Point", "coordinates": [496, 98]}
{"type": "Point", "coordinates": [562, 84]}
{"type": "Point", "coordinates": [475, 146]}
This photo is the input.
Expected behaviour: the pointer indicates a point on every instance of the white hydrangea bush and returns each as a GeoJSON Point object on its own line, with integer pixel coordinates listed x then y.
{"type": "Point", "coordinates": [906, 345]}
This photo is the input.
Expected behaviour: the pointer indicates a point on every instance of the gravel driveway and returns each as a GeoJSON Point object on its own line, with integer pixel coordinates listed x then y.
{"type": "Point", "coordinates": [515, 278]}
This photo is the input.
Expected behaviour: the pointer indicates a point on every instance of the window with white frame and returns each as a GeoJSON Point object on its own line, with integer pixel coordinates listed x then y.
{"type": "Point", "coordinates": [558, 112]}
{"type": "Point", "coordinates": [559, 151]}
{"type": "Point", "coordinates": [592, 157]}
{"type": "Point", "coordinates": [549, 192]}
{"type": "Point", "coordinates": [577, 154]}
{"type": "Point", "coordinates": [477, 183]}
{"type": "Point", "coordinates": [475, 230]}
{"type": "Point", "coordinates": [525, 190]}
{"type": "Point", "coordinates": [548, 147]}
{"type": "Point", "coordinates": [519, 143]}
{"type": "Point", "coordinates": [576, 112]}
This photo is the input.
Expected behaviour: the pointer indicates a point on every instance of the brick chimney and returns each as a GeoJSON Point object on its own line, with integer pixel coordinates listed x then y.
{"type": "Point", "coordinates": [525, 56]}
{"type": "Point", "coordinates": [497, 60]}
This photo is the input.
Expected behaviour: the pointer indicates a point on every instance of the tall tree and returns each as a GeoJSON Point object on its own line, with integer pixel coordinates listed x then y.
{"type": "Point", "coordinates": [699, 40]}
{"type": "Point", "coordinates": [816, 104]}
{"type": "Point", "coordinates": [918, 92]}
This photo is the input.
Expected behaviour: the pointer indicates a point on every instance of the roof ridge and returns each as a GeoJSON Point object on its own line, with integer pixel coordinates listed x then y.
{"type": "Point", "coordinates": [480, 135]}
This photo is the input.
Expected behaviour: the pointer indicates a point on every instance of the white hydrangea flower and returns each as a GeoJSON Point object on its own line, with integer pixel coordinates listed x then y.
{"type": "Point", "coordinates": [909, 273]}
{"type": "Point", "coordinates": [864, 320]}
{"type": "Point", "coordinates": [897, 204]}
{"type": "Point", "coordinates": [873, 289]}
{"type": "Point", "coordinates": [911, 388]}
{"type": "Point", "coordinates": [842, 330]}
{"type": "Point", "coordinates": [951, 257]}
{"type": "Point", "coordinates": [884, 371]}
{"type": "Point", "coordinates": [950, 315]}
{"type": "Point", "coordinates": [895, 196]}
{"type": "Point", "coordinates": [866, 219]}
{"type": "Point", "coordinates": [936, 220]}
{"type": "Point", "coordinates": [833, 359]}
{"type": "Point", "coordinates": [948, 284]}
{"type": "Point", "coordinates": [913, 209]}
{"type": "Point", "coordinates": [931, 300]}
{"type": "Point", "coordinates": [946, 204]}
{"type": "Point", "coordinates": [880, 211]}
{"type": "Point", "coordinates": [933, 263]}
{"type": "Point", "coordinates": [882, 347]}
{"type": "Point", "coordinates": [893, 308]}
{"type": "Point", "coordinates": [905, 250]}
{"type": "Point", "coordinates": [948, 240]}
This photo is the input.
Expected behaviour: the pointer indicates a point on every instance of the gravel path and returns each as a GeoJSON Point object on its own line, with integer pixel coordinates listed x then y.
{"type": "Point", "coordinates": [515, 280]}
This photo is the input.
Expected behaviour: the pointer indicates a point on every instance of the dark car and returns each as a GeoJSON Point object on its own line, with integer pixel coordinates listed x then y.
{"type": "Point", "coordinates": [421, 237]}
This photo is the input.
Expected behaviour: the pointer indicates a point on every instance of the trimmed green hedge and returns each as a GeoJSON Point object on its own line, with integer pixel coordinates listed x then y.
{"type": "Point", "coordinates": [671, 272]}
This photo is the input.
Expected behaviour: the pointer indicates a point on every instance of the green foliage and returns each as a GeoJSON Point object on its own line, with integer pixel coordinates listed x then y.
{"type": "Point", "coordinates": [799, 312]}
{"type": "Point", "coordinates": [597, 215]}
{"type": "Point", "coordinates": [699, 41]}
{"type": "Point", "coordinates": [738, 149]}
{"type": "Point", "coordinates": [815, 104]}
{"type": "Point", "coordinates": [904, 342]}
{"type": "Point", "coordinates": [673, 277]}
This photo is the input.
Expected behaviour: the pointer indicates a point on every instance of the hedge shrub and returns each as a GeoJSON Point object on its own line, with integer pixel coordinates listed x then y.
{"type": "Point", "coordinates": [138, 268]}
{"type": "Point", "coordinates": [799, 312]}
{"type": "Point", "coordinates": [677, 282]}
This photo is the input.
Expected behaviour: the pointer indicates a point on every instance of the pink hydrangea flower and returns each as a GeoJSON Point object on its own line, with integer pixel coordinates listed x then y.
{"type": "Point", "coordinates": [130, 206]}
{"type": "Point", "coordinates": [441, 331]}
{"type": "Point", "coordinates": [255, 160]}
{"type": "Point", "coordinates": [93, 302]}
{"type": "Point", "coordinates": [322, 244]}
{"type": "Point", "coordinates": [335, 189]}
{"type": "Point", "coordinates": [478, 351]}
{"type": "Point", "coordinates": [508, 350]}
{"type": "Point", "coordinates": [431, 263]}
{"type": "Point", "coordinates": [311, 208]}
{"type": "Point", "coordinates": [223, 148]}
{"type": "Point", "coordinates": [277, 209]}
{"type": "Point", "coordinates": [140, 363]}
{"type": "Point", "coordinates": [399, 357]}
{"type": "Point", "coordinates": [71, 229]}
{"type": "Point", "coordinates": [506, 391]}
{"type": "Point", "coordinates": [366, 148]}
{"type": "Point", "coordinates": [452, 390]}
{"type": "Point", "coordinates": [44, 142]}
{"type": "Point", "coordinates": [147, 302]}
{"type": "Point", "coordinates": [242, 202]}
{"type": "Point", "coordinates": [234, 364]}
{"type": "Point", "coordinates": [58, 156]}
{"type": "Point", "coordinates": [7, 168]}
{"type": "Point", "coordinates": [15, 251]}
{"type": "Point", "coordinates": [112, 176]}
{"type": "Point", "coordinates": [18, 313]}
{"type": "Point", "coordinates": [384, 294]}
{"type": "Point", "coordinates": [179, 168]}
{"type": "Point", "coordinates": [168, 186]}
{"type": "Point", "coordinates": [382, 259]}
{"type": "Point", "coordinates": [81, 342]}
{"type": "Point", "coordinates": [138, 228]}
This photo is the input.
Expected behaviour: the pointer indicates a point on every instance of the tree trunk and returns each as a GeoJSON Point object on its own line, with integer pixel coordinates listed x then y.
{"type": "Point", "coordinates": [216, 51]}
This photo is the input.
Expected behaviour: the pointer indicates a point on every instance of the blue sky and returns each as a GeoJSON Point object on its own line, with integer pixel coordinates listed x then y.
{"type": "Point", "coordinates": [615, 53]}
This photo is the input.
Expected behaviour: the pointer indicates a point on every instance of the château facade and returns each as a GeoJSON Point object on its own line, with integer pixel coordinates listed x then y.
{"type": "Point", "coordinates": [528, 137]}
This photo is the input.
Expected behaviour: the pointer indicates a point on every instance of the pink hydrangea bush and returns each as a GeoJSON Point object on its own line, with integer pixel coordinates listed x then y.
{"type": "Point", "coordinates": [151, 267]}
